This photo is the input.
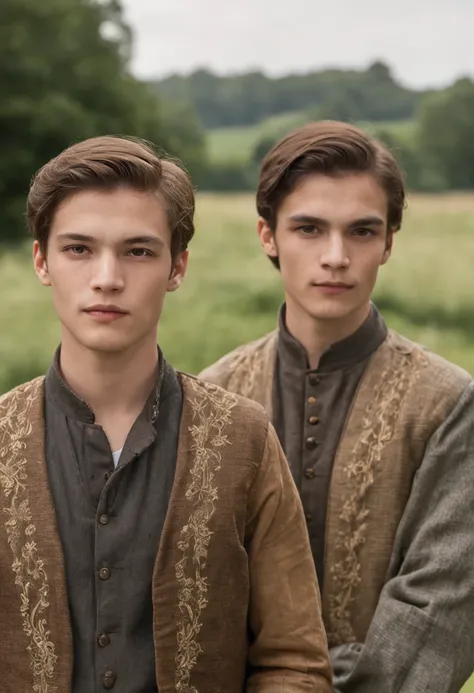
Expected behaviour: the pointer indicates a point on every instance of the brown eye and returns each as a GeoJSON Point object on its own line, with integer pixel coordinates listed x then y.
{"type": "Point", "coordinates": [76, 249]}
{"type": "Point", "coordinates": [140, 252]}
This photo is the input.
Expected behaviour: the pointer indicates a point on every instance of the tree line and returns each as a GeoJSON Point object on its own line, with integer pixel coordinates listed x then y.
{"type": "Point", "coordinates": [245, 99]}
{"type": "Point", "coordinates": [436, 151]}
{"type": "Point", "coordinates": [65, 76]}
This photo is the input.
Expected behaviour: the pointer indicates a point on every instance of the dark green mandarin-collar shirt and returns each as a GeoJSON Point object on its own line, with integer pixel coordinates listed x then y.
{"type": "Point", "coordinates": [110, 522]}
{"type": "Point", "coordinates": [310, 408]}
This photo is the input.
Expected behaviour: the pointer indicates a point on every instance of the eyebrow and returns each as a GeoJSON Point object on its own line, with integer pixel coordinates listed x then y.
{"type": "Point", "coordinates": [135, 240]}
{"type": "Point", "coordinates": [319, 221]}
{"type": "Point", "coordinates": [144, 240]}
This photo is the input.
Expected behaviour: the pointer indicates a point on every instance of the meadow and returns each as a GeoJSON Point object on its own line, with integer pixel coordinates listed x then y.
{"type": "Point", "coordinates": [236, 144]}
{"type": "Point", "coordinates": [232, 293]}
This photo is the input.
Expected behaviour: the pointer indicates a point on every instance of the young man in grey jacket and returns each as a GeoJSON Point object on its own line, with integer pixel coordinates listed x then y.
{"type": "Point", "coordinates": [378, 432]}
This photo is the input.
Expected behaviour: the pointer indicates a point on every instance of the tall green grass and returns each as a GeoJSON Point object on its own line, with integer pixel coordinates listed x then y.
{"type": "Point", "coordinates": [231, 293]}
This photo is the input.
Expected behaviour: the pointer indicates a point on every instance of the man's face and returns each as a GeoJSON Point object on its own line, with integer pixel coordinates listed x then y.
{"type": "Point", "coordinates": [109, 267]}
{"type": "Point", "coordinates": [330, 239]}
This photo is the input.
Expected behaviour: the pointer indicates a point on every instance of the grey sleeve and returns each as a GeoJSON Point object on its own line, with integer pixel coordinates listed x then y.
{"type": "Point", "coordinates": [421, 638]}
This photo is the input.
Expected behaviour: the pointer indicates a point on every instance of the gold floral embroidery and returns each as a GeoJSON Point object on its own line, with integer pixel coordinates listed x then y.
{"type": "Point", "coordinates": [252, 369]}
{"type": "Point", "coordinates": [245, 367]}
{"type": "Point", "coordinates": [378, 427]}
{"type": "Point", "coordinates": [212, 409]}
{"type": "Point", "coordinates": [28, 568]}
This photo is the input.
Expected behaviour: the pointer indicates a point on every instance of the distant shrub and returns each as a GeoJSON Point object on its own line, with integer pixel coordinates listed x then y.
{"type": "Point", "coordinates": [228, 176]}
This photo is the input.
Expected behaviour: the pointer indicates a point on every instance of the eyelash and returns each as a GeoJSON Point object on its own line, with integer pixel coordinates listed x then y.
{"type": "Point", "coordinates": [72, 248]}
{"type": "Point", "coordinates": [304, 229]}
{"type": "Point", "coordinates": [367, 232]}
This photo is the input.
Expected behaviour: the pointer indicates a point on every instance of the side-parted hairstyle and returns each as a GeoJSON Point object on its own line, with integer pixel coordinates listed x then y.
{"type": "Point", "coordinates": [108, 163]}
{"type": "Point", "coordinates": [330, 148]}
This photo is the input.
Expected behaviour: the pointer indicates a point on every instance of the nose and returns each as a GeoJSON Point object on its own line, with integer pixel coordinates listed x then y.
{"type": "Point", "coordinates": [335, 255]}
{"type": "Point", "coordinates": [107, 274]}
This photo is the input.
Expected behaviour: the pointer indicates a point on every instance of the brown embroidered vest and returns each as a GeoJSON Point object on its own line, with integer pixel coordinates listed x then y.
{"type": "Point", "coordinates": [403, 396]}
{"type": "Point", "coordinates": [201, 581]}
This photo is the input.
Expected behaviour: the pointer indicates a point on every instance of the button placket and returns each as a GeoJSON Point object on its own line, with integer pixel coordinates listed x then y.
{"type": "Point", "coordinates": [311, 420]}
{"type": "Point", "coordinates": [311, 442]}
{"type": "Point", "coordinates": [104, 640]}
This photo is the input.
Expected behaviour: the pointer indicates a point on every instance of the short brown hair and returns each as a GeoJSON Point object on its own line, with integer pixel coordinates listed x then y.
{"type": "Point", "coordinates": [107, 163]}
{"type": "Point", "coordinates": [331, 148]}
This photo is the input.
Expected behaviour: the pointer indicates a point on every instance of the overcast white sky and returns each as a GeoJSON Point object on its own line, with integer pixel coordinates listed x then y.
{"type": "Point", "coordinates": [427, 42]}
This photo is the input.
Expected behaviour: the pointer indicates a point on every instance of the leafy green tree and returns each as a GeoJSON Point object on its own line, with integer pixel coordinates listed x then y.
{"type": "Point", "coordinates": [447, 133]}
{"type": "Point", "coordinates": [64, 77]}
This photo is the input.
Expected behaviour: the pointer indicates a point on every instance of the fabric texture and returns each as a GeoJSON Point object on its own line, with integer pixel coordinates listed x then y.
{"type": "Point", "coordinates": [310, 409]}
{"type": "Point", "coordinates": [110, 527]}
{"type": "Point", "coordinates": [234, 523]}
{"type": "Point", "coordinates": [410, 422]}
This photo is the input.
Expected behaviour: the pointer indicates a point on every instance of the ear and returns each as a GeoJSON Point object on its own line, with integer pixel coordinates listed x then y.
{"type": "Point", "coordinates": [40, 265]}
{"type": "Point", "coordinates": [178, 271]}
{"type": "Point", "coordinates": [388, 247]}
{"type": "Point", "coordinates": [267, 238]}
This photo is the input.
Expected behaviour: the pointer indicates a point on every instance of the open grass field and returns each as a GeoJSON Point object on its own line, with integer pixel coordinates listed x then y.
{"type": "Point", "coordinates": [232, 293]}
{"type": "Point", "coordinates": [237, 143]}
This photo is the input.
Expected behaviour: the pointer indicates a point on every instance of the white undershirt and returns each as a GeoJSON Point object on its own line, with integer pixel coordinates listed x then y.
{"type": "Point", "coordinates": [116, 456]}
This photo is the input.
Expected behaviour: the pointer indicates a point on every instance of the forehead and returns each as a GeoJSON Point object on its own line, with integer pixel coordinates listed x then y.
{"type": "Point", "coordinates": [111, 215]}
{"type": "Point", "coordinates": [336, 198]}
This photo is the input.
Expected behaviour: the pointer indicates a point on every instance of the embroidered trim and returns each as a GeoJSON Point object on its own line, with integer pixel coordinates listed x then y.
{"type": "Point", "coordinates": [30, 576]}
{"type": "Point", "coordinates": [252, 369]}
{"type": "Point", "coordinates": [378, 426]}
{"type": "Point", "coordinates": [245, 367]}
{"type": "Point", "coordinates": [212, 408]}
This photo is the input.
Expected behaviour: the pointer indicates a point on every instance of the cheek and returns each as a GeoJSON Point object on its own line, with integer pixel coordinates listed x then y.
{"type": "Point", "coordinates": [370, 263]}
{"type": "Point", "coordinates": [294, 253]}
{"type": "Point", "coordinates": [64, 282]}
{"type": "Point", "coordinates": [149, 287]}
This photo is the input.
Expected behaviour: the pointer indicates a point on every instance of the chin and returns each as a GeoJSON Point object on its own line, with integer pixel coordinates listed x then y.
{"type": "Point", "coordinates": [107, 346]}
{"type": "Point", "coordinates": [333, 311]}
{"type": "Point", "coordinates": [105, 343]}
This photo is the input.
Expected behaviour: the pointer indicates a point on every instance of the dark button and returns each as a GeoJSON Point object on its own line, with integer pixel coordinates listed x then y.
{"type": "Point", "coordinates": [312, 400]}
{"type": "Point", "coordinates": [311, 443]}
{"type": "Point", "coordinates": [314, 380]}
{"type": "Point", "coordinates": [309, 473]}
{"type": "Point", "coordinates": [104, 573]}
{"type": "Point", "coordinates": [103, 640]}
{"type": "Point", "coordinates": [103, 519]}
{"type": "Point", "coordinates": [313, 420]}
{"type": "Point", "coordinates": [107, 475]}
{"type": "Point", "coordinates": [108, 681]}
{"type": "Point", "coordinates": [308, 517]}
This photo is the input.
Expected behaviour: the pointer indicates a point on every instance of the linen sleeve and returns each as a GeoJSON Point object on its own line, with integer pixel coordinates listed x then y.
{"type": "Point", "coordinates": [288, 651]}
{"type": "Point", "coordinates": [422, 635]}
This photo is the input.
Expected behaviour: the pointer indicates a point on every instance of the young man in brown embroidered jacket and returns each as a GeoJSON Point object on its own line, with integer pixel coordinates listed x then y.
{"type": "Point", "coordinates": [379, 433]}
{"type": "Point", "coordinates": [152, 538]}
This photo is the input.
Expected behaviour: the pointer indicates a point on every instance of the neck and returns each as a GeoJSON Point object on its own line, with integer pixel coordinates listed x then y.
{"type": "Point", "coordinates": [316, 335]}
{"type": "Point", "coordinates": [111, 383]}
